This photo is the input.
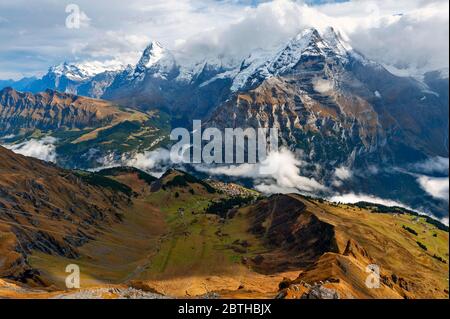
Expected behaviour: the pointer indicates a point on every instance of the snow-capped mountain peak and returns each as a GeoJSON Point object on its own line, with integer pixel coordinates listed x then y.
{"type": "Point", "coordinates": [152, 54]}
{"type": "Point", "coordinates": [335, 41]}
{"type": "Point", "coordinates": [155, 58]}
{"type": "Point", "coordinates": [82, 71]}
{"type": "Point", "coordinates": [309, 42]}
{"type": "Point", "coordinates": [71, 71]}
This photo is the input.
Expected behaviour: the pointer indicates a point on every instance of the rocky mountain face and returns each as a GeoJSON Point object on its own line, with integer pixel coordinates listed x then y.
{"type": "Point", "coordinates": [44, 208]}
{"type": "Point", "coordinates": [339, 109]}
{"type": "Point", "coordinates": [20, 85]}
{"type": "Point", "coordinates": [51, 110]}
{"type": "Point", "coordinates": [333, 103]}
{"type": "Point", "coordinates": [96, 86]}
{"type": "Point", "coordinates": [326, 98]}
{"type": "Point", "coordinates": [159, 81]}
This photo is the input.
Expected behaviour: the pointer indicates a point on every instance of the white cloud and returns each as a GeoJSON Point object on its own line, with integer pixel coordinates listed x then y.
{"type": "Point", "coordinates": [242, 170]}
{"type": "Point", "coordinates": [280, 172]}
{"type": "Point", "coordinates": [322, 86]}
{"type": "Point", "coordinates": [341, 174]}
{"type": "Point", "coordinates": [36, 36]}
{"type": "Point", "coordinates": [43, 149]}
{"type": "Point", "coordinates": [275, 189]}
{"type": "Point", "coordinates": [432, 165]}
{"type": "Point", "coordinates": [435, 186]}
{"type": "Point", "coordinates": [352, 198]}
{"type": "Point", "coordinates": [409, 35]}
{"type": "Point", "coordinates": [155, 162]}
{"type": "Point", "coordinates": [406, 36]}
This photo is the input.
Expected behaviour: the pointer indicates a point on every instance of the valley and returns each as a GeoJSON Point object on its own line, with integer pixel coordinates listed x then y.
{"type": "Point", "coordinates": [167, 237]}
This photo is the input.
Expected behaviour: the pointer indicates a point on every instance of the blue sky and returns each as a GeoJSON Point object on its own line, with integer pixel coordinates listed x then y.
{"type": "Point", "coordinates": [34, 35]}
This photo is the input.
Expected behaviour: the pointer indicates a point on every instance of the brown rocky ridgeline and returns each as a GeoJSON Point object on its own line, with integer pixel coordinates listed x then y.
{"type": "Point", "coordinates": [44, 208]}
{"type": "Point", "coordinates": [51, 110]}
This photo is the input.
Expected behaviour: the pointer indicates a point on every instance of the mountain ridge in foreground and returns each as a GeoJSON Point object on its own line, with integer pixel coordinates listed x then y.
{"type": "Point", "coordinates": [137, 236]}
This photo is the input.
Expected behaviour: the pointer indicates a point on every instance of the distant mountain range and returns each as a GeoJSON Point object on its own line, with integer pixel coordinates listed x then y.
{"type": "Point", "coordinates": [319, 83]}
{"type": "Point", "coordinates": [21, 85]}
{"type": "Point", "coordinates": [330, 102]}
{"type": "Point", "coordinates": [87, 79]}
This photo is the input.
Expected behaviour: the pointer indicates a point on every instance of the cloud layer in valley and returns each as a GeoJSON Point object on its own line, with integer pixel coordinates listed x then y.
{"type": "Point", "coordinates": [43, 149]}
{"type": "Point", "coordinates": [352, 198]}
{"type": "Point", "coordinates": [280, 172]}
{"type": "Point", "coordinates": [155, 162]}
{"type": "Point", "coordinates": [409, 36]}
